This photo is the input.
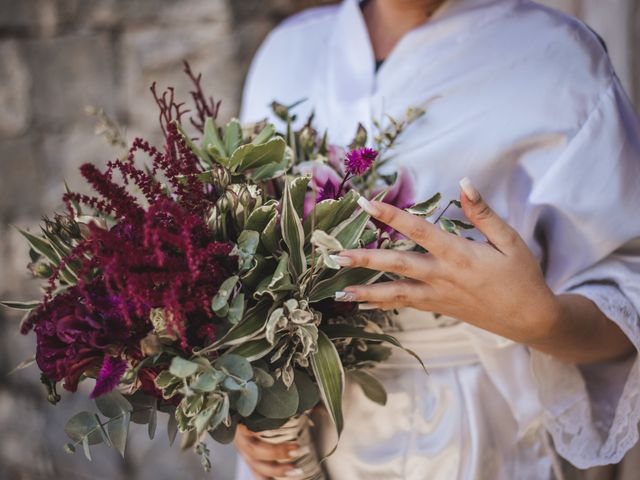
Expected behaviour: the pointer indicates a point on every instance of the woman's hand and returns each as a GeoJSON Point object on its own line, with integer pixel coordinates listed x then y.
{"type": "Point", "coordinates": [267, 460]}
{"type": "Point", "coordinates": [495, 285]}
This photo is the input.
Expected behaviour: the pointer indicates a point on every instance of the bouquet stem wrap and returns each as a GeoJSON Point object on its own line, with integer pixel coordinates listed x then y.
{"type": "Point", "coordinates": [298, 429]}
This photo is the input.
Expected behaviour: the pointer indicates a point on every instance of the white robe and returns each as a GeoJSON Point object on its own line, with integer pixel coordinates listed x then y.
{"type": "Point", "coordinates": [524, 101]}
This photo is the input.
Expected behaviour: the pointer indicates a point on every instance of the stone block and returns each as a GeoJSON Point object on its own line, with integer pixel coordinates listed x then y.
{"type": "Point", "coordinates": [156, 54]}
{"type": "Point", "coordinates": [15, 83]}
{"type": "Point", "coordinates": [69, 73]}
{"type": "Point", "coordinates": [21, 178]}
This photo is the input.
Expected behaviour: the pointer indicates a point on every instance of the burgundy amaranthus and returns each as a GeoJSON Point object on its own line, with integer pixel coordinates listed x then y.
{"type": "Point", "coordinates": [157, 255]}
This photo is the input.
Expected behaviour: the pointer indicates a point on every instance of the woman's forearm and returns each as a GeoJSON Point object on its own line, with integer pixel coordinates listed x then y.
{"type": "Point", "coordinates": [582, 334]}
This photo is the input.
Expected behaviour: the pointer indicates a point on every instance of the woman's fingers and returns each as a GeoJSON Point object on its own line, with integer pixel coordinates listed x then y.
{"type": "Point", "coordinates": [424, 233]}
{"type": "Point", "coordinates": [272, 469]}
{"type": "Point", "coordinates": [408, 264]}
{"type": "Point", "coordinates": [401, 293]}
{"type": "Point", "coordinates": [260, 450]}
{"type": "Point", "coordinates": [496, 230]}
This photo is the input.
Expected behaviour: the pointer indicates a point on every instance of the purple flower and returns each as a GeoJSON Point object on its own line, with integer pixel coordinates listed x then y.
{"type": "Point", "coordinates": [328, 191]}
{"type": "Point", "coordinates": [112, 370]}
{"type": "Point", "coordinates": [358, 161]}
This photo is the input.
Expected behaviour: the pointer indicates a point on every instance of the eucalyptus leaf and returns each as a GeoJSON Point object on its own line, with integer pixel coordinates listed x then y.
{"type": "Point", "coordinates": [236, 365]}
{"type": "Point", "coordinates": [182, 368]}
{"type": "Point", "coordinates": [236, 309]}
{"type": "Point", "coordinates": [225, 434]}
{"type": "Point", "coordinates": [278, 402]}
{"type": "Point", "coordinates": [118, 429]}
{"type": "Point", "coordinates": [207, 381]}
{"type": "Point", "coordinates": [113, 404]}
{"type": "Point", "coordinates": [221, 298]}
{"type": "Point", "coordinates": [248, 399]}
{"type": "Point", "coordinates": [84, 424]}
{"type": "Point", "coordinates": [307, 391]}
{"type": "Point", "coordinates": [263, 378]}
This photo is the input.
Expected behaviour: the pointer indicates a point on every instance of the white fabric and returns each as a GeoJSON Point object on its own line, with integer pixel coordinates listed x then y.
{"type": "Point", "coordinates": [524, 101]}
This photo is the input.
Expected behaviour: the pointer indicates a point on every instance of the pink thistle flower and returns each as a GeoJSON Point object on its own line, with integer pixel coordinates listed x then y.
{"type": "Point", "coordinates": [358, 161]}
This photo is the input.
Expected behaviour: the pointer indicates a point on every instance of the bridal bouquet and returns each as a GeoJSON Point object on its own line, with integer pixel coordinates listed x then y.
{"type": "Point", "coordinates": [198, 281]}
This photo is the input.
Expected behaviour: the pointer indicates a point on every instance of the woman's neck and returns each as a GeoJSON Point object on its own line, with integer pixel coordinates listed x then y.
{"type": "Point", "coordinates": [389, 20]}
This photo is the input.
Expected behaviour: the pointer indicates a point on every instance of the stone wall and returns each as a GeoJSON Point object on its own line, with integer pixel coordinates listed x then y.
{"type": "Point", "coordinates": [58, 56]}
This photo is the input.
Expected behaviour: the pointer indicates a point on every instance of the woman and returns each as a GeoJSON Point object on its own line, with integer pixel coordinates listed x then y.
{"type": "Point", "coordinates": [539, 330]}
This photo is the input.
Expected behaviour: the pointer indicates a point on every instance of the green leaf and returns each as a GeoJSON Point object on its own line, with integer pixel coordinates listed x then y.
{"type": "Point", "coordinates": [153, 420]}
{"type": "Point", "coordinates": [255, 156]}
{"type": "Point", "coordinates": [463, 225]}
{"type": "Point", "coordinates": [307, 391]}
{"type": "Point", "coordinates": [278, 402]}
{"type": "Point", "coordinates": [85, 448]}
{"type": "Point", "coordinates": [221, 413]}
{"type": "Point", "coordinates": [270, 237]}
{"type": "Point", "coordinates": [248, 241]}
{"type": "Point", "coordinates": [329, 213]}
{"type": "Point", "coordinates": [165, 378]}
{"type": "Point", "coordinates": [370, 385]}
{"type": "Point", "coordinates": [225, 434]}
{"type": "Point", "coordinates": [348, 233]}
{"type": "Point", "coordinates": [265, 134]}
{"type": "Point", "coordinates": [263, 378]}
{"type": "Point", "coordinates": [20, 305]}
{"type": "Point", "coordinates": [345, 331]}
{"type": "Point", "coordinates": [251, 325]}
{"type": "Point", "coordinates": [41, 246]}
{"type": "Point", "coordinates": [273, 170]}
{"type": "Point", "coordinates": [259, 423]}
{"type": "Point", "coordinates": [342, 279]}
{"type": "Point", "coordinates": [207, 381]}
{"type": "Point", "coordinates": [260, 217]}
{"type": "Point", "coordinates": [118, 429]}
{"type": "Point", "coordinates": [236, 365]}
{"type": "Point", "coordinates": [293, 233]}
{"type": "Point", "coordinates": [232, 135]}
{"type": "Point", "coordinates": [84, 424]}
{"type": "Point", "coordinates": [221, 298]}
{"type": "Point", "coordinates": [253, 349]}
{"type": "Point", "coordinates": [212, 142]}
{"type": "Point", "coordinates": [202, 155]}
{"type": "Point", "coordinates": [448, 226]}
{"type": "Point", "coordinates": [172, 428]}
{"type": "Point", "coordinates": [236, 309]}
{"type": "Point", "coordinates": [182, 368]}
{"type": "Point", "coordinates": [426, 208]}
{"type": "Point", "coordinates": [329, 374]}
{"type": "Point", "coordinates": [298, 191]}
{"type": "Point", "coordinates": [113, 404]}
{"type": "Point", "coordinates": [248, 399]}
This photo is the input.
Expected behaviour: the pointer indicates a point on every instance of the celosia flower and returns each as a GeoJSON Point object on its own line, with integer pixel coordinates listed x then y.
{"type": "Point", "coordinates": [72, 341]}
{"type": "Point", "coordinates": [358, 161]}
{"type": "Point", "coordinates": [111, 373]}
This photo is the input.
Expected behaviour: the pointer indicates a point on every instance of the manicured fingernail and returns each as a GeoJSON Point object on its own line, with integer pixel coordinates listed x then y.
{"type": "Point", "coordinates": [295, 472]}
{"type": "Point", "coordinates": [300, 452]}
{"type": "Point", "coordinates": [345, 297]}
{"type": "Point", "coordinates": [367, 306]}
{"type": "Point", "coordinates": [342, 260]}
{"type": "Point", "coordinates": [368, 207]}
{"type": "Point", "coordinates": [469, 190]}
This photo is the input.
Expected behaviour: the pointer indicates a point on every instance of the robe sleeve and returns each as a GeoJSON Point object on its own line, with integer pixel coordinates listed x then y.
{"type": "Point", "coordinates": [588, 212]}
